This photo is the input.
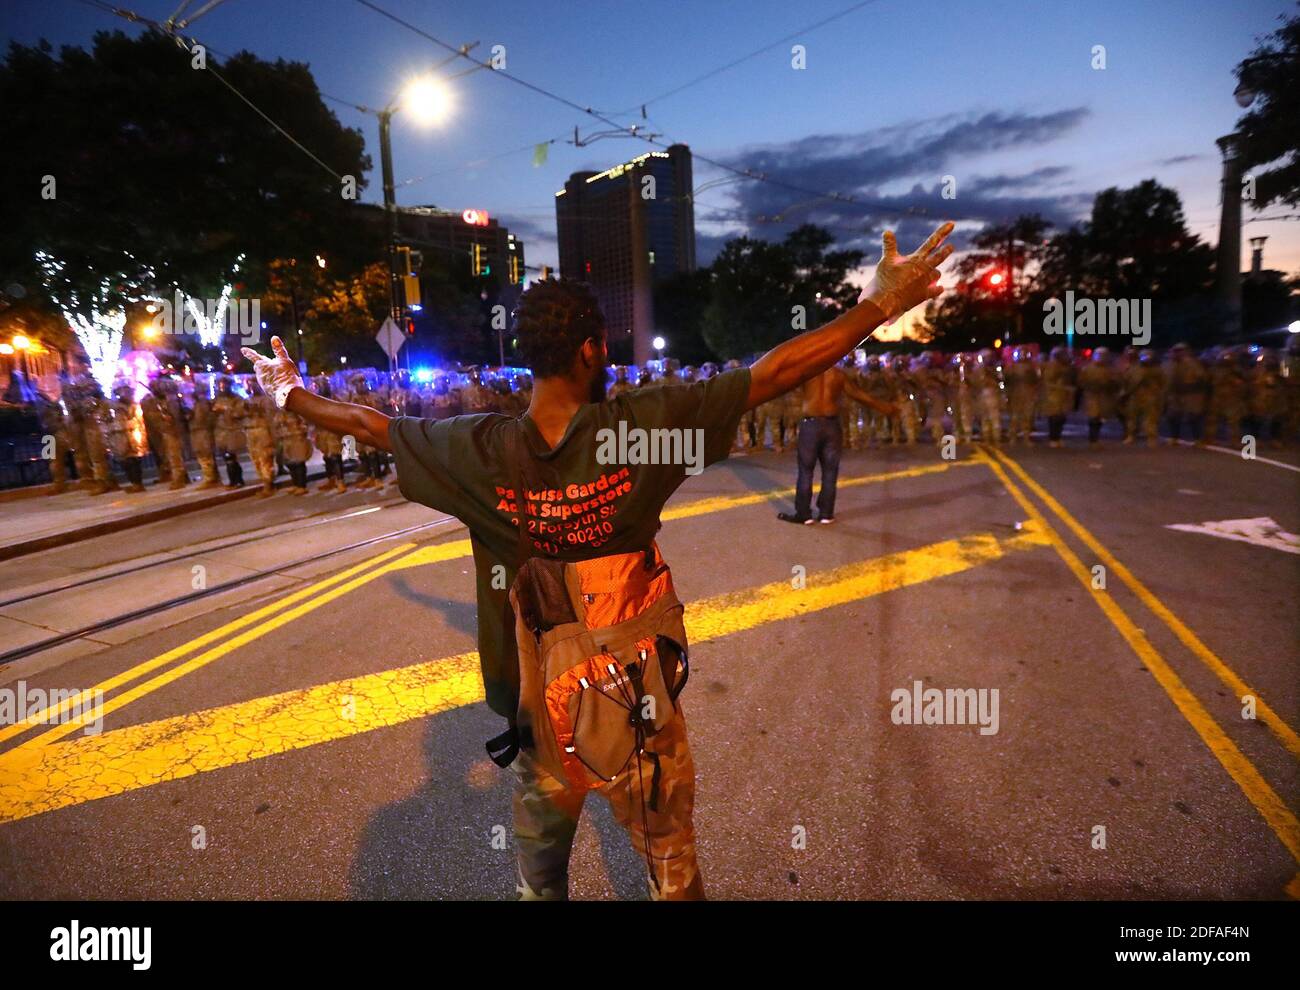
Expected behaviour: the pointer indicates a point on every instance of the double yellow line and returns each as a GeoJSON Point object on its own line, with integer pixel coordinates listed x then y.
{"type": "Point", "coordinates": [1274, 810]}
{"type": "Point", "coordinates": [271, 617]}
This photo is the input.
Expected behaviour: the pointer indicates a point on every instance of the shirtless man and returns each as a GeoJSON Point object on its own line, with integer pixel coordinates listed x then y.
{"type": "Point", "coordinates": [821, 439]}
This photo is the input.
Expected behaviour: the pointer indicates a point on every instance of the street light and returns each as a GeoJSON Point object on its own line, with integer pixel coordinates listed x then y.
{"type": "Point", "coordinates": [659, 344]}
{"type": "Point", "coordinates": [428, 100]}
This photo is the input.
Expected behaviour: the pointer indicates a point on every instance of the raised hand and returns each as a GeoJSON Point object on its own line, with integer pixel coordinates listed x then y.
{"type": "Point", "coordinates": [904, 281]}
{"type": "Point", "coordinates": [277, 375]}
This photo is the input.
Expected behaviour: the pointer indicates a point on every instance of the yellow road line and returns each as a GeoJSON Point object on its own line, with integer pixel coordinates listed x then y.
{"type": "Point", "coordinates": [1257, 790]}
{"type": "Point", "coordinates": [425, 555]}
{"type": "Point", "coordinates": [1221, 670]}
{"type": "Point", "coordinates": [118, 680]}
{"type": "Point", "coordinates": [219, 651]}
{"type": "Point", "coordinates": [33, 781]}
{"type": "Point", "coordinates": [717, 503]}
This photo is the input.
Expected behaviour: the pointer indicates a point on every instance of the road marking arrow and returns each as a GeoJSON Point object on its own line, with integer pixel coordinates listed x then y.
{"type": "Point", "coordinates": [1261, 531]}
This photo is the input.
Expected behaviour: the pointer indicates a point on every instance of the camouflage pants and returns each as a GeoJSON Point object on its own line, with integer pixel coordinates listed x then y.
{"type": "Point", "coordinates": [546, 814]}
{"type": "Point", "coordinates": [263, 458]}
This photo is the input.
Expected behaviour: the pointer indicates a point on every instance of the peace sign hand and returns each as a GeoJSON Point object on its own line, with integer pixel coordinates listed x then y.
{"type": "Point", "coordinates": [278, 376]}
{"type": "Point", "coordinates": [904, 281]}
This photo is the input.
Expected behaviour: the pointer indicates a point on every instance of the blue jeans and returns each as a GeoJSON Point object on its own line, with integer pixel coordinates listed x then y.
{"type": "Point", "coordinates": [820, 441]}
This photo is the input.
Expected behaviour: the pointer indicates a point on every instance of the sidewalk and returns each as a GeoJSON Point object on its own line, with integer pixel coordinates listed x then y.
{"type": "Point", "coordinates": [28, 525]}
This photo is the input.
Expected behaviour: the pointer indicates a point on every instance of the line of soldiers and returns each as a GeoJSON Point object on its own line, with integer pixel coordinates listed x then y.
{"type": "Point", "coordinates": [978, 393]}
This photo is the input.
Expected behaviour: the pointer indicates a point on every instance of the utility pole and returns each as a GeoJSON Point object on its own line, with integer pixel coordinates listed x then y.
{"type": "Point", "coordinates": [1227, 275]}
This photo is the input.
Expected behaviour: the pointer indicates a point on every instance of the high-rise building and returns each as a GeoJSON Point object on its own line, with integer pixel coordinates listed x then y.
{"type": "Point", "coordinates": [486, 247]}
{"type": "Point", "coordinates": [624, 228]}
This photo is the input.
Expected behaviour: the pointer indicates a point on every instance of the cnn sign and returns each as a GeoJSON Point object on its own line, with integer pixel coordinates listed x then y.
{"type": "Point", "coordinates": [476, 218]}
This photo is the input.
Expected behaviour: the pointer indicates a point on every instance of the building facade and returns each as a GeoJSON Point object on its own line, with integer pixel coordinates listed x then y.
{"type": "Point", "coordinates": [625, 228]}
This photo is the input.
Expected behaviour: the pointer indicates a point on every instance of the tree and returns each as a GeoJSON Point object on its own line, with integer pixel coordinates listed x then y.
{"type": "Point", "coordinates": [1269, 134]}
{"type": "Point", "coordinates": [680, 301]}
{"type": "Point", "coordinates": [135, 171]}
{"type": "Point", "coordinates": [764, 293]}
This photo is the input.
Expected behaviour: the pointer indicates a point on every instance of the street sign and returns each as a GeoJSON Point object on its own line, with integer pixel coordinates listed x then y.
{"type": "Point", "coordinates": [390, 338]}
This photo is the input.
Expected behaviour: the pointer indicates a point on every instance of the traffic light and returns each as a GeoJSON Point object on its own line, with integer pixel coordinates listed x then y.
{"type": "Point", "coordinates": [402, 264]}
{"type": "Point", "coordinates": [477, 255]}
{"type": "Point", "coordinates": [514, 269]}
{"type": "Point", "coordinates": [546, 272]}
{"type": "Point", "coordinates": [411, 287]}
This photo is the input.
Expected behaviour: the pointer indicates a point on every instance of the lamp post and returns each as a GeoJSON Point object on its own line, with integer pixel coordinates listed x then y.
{"type": "Point", "coordinates": [428, 100]}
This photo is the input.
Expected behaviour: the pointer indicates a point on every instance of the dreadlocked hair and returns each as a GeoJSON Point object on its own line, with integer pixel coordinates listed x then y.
{"type": "Point", "coordinates": [553, 319]}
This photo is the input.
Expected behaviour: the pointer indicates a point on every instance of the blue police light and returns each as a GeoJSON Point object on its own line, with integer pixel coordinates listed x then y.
{"type": "Point", "coordinates": [416, 308]}
{"type": "Point", "coordinates": [423, 375]}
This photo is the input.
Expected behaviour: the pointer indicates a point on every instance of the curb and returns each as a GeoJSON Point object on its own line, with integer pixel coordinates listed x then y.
{"type": "Point", "coordinates": [130, 522]}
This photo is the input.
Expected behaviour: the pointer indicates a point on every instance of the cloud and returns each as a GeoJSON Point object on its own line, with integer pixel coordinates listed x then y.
{"type": "Point", "coordinates": [870, 166]}
{"type": "Point", "coordinates": [1179, 159]}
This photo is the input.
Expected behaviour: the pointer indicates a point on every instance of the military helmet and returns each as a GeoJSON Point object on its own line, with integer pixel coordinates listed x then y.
{"type": "Point", "coordinates": [1060, 354]}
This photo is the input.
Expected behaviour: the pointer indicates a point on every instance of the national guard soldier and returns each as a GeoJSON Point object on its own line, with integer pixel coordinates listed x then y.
{"type": "Point", "coordinates": [1227, 397]}
{"type": "Point", "coordinates": [259, 433]}
{"type": "Point", "coordinates": [768, 416]}
{"type": "Point", "coordinates": [361, 395]}
{"type": "Point", "coordinates": [959, 390]}
{"type": "Point", "coordinates": [443, 404]}
{"type": "Point", "coordinates": [1187, 389]}
{"type": "Point", "coordinates": [932, 395]}
{"type": "Point", "coordinates": [230, 409]}
{"type": "Point", "coordinates": [1144, 390]}
{"type": "Point", "coordinates": [1058, 393]}
{"type": "Point", "coordinates": [1289, 370]}
{"type": "Point", "coordinates": [295, 445]}
{"type": "Point", "coordinates": [73, 397]}
{"type": "Point", "coordinates": [55, 432]}
{"type": "Point", "coordinates": [1266, 397]}
{"type": "Point", "coordinates": [1100, 387]}
{"type": "Point", "coordinates": [126, 435]}
{"type": "Point", "coordinates": [151, 412]}
{"type": "Point", "coordinates": [202, 426]}
{"type": "Point", "coordinates": [670, 376]}
{"type": "Point", "coordinates": [985, 386]}
{"type": "Point", "coordinates": [96, 418]}
{"type": "Point", "coordinates": [791, 413]}
{"type": "Point", "coordinates": [1024, 378]}
{"type": "Point", "coordinates": [330, 445]}
{"type": "Point", "coordinates": [908, 422]}
{"type": "Point", "coordinates": [879, 383]}
{"type": "Point", "coordinates": [169, 422]}
{"type": "Point", "coordinates": [621, 384]}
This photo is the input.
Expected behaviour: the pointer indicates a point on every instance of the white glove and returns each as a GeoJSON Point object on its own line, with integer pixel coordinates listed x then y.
{"type": "Point", "coordinates": [904, 281]}
{"type": "Point", "coordinates": [278, 376]}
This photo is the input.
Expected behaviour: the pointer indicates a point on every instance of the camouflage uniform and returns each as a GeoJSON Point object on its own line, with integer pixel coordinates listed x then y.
{"type": "Point", "coordinates": [908, 391]}
{"type": "Point", "coordinates": [97, 415]}
{"type": "Point", "coordinates": [168, 424]}
{"type": "Point", "coordinates": [963, 403]}
{"type": "Point", "coordinates": [366, 454]}
{"type": "Point", "coordinates": [1227, 398]}
{"type": "Point", "coordinates": [791, 413]}
{"type": "Point", "coordinates": [1188, 384]}
{"type": "Point", "coordinates": [151, 411]}
{"type": "Point", "coordinates": [230, 409]}
{"type": "Point", "coordinates": [546, 812]}
{"type": "Point", "coordinates": [127, 438]}
{"type": "Point", "coordinates": [932, 393]}
{"type": "Point", "coordinates": [1100, 386]}
{"type": "Point", "coordinates": [1023, 380]}
{"type": "Point", "coordinates": [1144, 391]}
{"type": "Point", "coordinates": [295, 445]}
{"type": "Point", "coordinates": [1267, 401]}
{"type": "Point", "coordinates": [202, 423]}
{"type": "Point", "coordinates": [259, 432]}
{"type": "Point", "coordinates": [53, 425]}
{"type": "Point", "coordinates": [1059, 391]}
{"type": "Point", "coordinates": [73, 399]}
{"type": "Point", "coordinates": [621, 384]}
{"type": "Point", "coordinates": [769, 414]}
{"type": "Point", "coordinates": [986, 396]}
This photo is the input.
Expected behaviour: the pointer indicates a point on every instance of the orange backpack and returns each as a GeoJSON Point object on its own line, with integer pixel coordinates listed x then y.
{"type": "Point", "coordinates": [602, 657]}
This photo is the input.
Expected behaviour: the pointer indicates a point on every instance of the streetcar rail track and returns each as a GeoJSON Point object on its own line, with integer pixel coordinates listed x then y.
{"type": "Point", "coordinates": [118, 620]}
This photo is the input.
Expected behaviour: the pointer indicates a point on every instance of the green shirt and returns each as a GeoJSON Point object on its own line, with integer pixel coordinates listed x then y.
{"type": "Point", "coordinates": [598, 492]}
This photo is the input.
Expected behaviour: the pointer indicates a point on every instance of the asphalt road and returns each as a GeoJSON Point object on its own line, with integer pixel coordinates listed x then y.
{"type": "Point", "coordinates": [318, 732]}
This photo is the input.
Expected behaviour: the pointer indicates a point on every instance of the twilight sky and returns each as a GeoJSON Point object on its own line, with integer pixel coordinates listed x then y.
{"type": "Point", "coordinates": [896, 95]}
